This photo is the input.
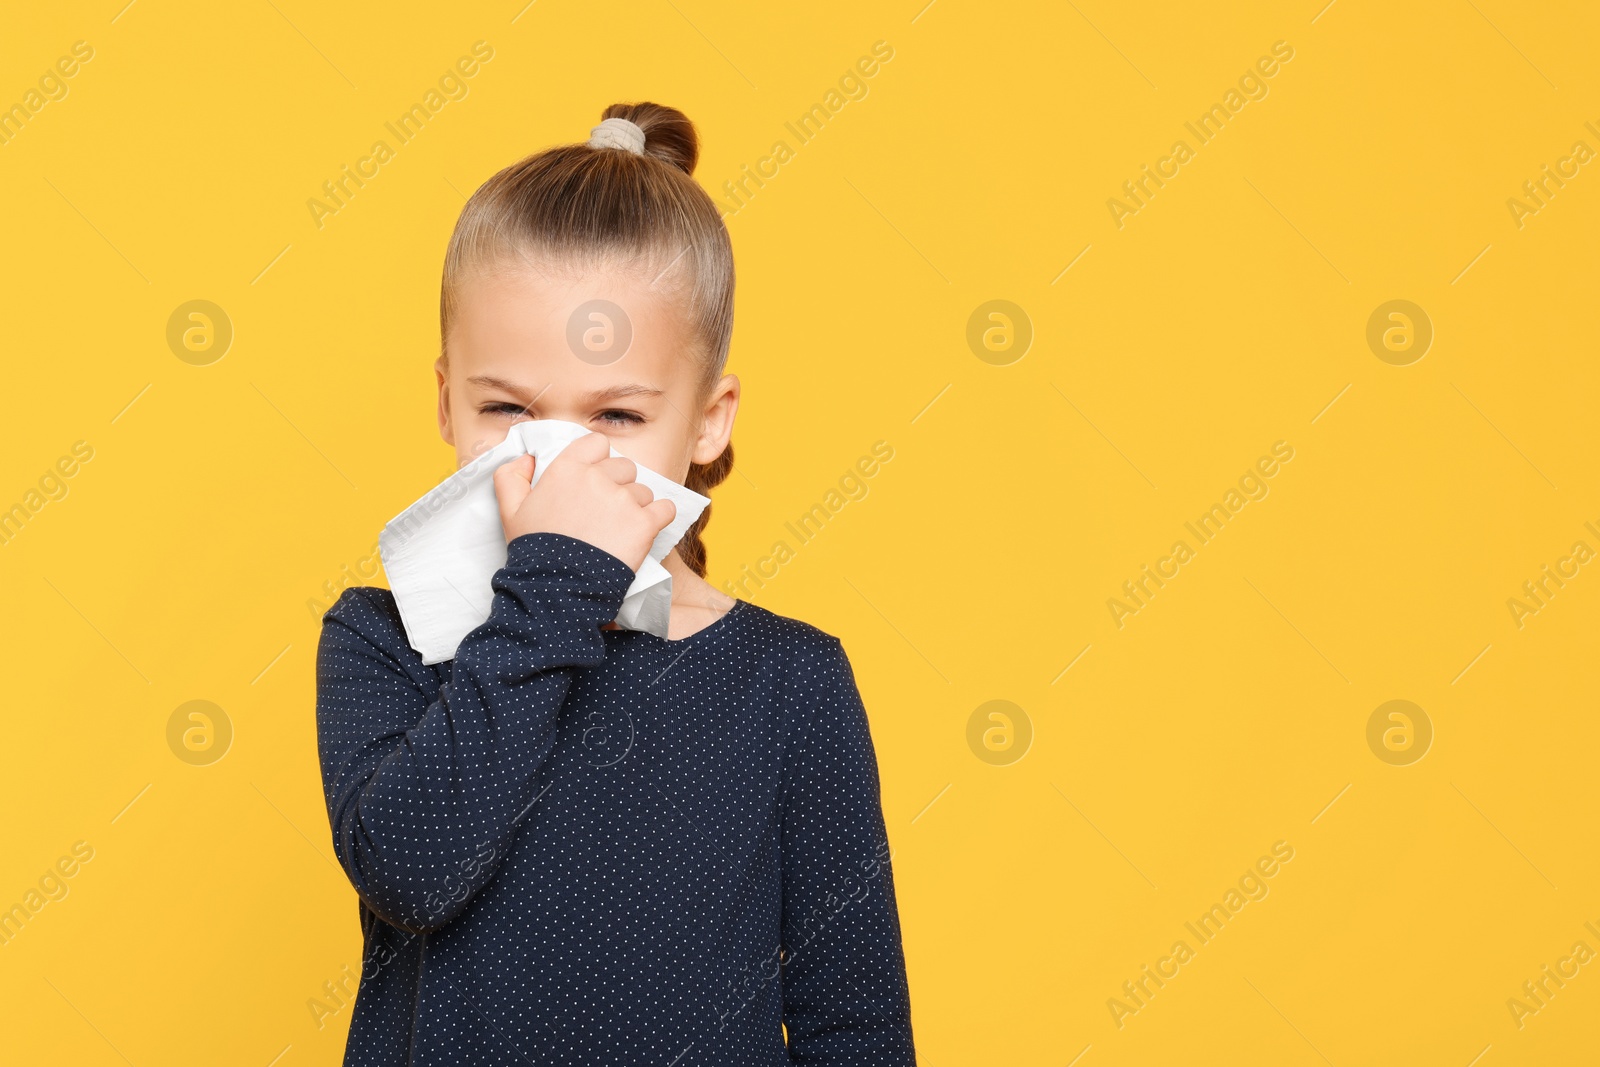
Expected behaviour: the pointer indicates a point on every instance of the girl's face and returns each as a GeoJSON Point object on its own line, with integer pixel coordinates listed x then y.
{"type": "Point", "coordinates": [526, 344]}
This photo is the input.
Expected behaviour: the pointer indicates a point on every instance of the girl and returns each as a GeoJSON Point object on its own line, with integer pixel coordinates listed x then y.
{"type": "Point", "coordinates": [577, 844]}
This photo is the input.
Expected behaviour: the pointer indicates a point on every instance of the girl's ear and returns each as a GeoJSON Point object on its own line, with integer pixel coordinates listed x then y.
{"type": "Point", "coordinates": [446, 431]}
{"type": "Point", "coordinates": [716, 427]}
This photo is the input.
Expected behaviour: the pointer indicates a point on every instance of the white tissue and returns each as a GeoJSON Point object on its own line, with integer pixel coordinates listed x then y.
{"type": "Point", "coordinates": [441, 552]}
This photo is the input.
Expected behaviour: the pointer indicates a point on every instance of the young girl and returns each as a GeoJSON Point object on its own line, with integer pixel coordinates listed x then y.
{"type": "Point", "coordinates": [577, 844]}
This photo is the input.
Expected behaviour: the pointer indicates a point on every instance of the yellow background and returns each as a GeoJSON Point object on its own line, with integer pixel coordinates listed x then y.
{"type": "Point", "coordinates": [1229, 313]}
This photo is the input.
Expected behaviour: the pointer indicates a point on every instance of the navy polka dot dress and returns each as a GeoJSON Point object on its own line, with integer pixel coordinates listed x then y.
{"type": "Point", "coordinates": [583, 847]}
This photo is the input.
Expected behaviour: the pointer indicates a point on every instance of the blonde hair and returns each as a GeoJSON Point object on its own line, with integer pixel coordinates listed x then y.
{"type": "Point", "coordinates": [598, 207]}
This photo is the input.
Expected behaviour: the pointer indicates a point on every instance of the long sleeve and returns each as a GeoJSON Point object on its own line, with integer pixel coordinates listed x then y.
{"type": "Point", "coordinates": [424, 796]}
{"type": "Point", "coordinates": [845, 998]}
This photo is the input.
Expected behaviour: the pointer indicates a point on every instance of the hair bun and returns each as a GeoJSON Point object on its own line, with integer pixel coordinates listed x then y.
{"type": "Point", "coordinates": [668, 134]}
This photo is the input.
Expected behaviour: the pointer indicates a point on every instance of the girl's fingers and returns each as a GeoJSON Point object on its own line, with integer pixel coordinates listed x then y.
{"type": "Point", "coordinates": [619, 469]}
{"type": "Point", "coordinates": [663, 511]}
{"type": "Point", "coordinates": [591, 446]}
{"type": "Point", "coordinates": [512, 483]}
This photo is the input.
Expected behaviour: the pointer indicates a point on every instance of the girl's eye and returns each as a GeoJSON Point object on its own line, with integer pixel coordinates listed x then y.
{"type": "Point", "coordinates": [615, 416]}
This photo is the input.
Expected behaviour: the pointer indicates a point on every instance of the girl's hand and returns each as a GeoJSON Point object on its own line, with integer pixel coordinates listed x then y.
{"type": "Point", "coordinates": [585, 493]}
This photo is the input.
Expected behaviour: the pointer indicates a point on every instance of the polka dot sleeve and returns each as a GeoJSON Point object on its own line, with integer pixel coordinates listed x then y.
{"type": "Point", "coordinates": [845, 998]}
{"type": "Point", "coordinates": [424, 796]}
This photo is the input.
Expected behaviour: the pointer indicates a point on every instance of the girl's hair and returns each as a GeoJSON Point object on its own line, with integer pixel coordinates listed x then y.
{"type": "Point", "coordinates": [584, 207]}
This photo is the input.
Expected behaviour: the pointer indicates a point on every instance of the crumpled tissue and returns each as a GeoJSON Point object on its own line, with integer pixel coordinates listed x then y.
{"type": "Point", "coordinates": [441, 552]}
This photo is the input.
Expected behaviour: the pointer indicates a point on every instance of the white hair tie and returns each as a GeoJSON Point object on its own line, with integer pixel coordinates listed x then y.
{"type": "Point", "coordinates": [617, 133]}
